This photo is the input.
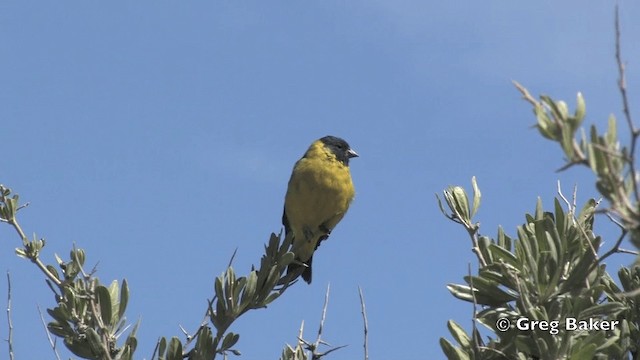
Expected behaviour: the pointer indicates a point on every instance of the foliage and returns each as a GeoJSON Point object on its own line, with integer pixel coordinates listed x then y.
{"type": "Point", "coordinates": [540, 294]}
{"type": "Point", "coordinates": [90, 317]}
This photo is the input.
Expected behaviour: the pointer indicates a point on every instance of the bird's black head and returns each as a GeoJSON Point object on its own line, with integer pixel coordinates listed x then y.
{"type": "Point", "coordinates": [340, 148]}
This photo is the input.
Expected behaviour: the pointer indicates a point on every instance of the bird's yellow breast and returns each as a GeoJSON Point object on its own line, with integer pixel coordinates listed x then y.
{"type": "Point", "coordinates": [319, 193]}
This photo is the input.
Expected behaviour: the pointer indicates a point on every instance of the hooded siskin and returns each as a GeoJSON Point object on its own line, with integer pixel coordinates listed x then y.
{"type": "Point", "coordinates": [318, 196]}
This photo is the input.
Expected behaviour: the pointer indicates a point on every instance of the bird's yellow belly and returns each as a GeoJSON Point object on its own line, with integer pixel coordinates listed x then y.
{"type": "Point", "coordinates": [317, 202]}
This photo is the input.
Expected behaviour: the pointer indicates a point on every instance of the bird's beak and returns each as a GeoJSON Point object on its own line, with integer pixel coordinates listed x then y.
{"type": "Point", "coordinates": [351, 153]}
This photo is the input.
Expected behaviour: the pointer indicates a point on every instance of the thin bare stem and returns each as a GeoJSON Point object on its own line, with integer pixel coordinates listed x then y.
{"type": "Point", "coordinates": [366, 325]}
{"type": "Point", "coordinates": [477, 340]}
{"type": "Point", "coordinates": [615, 221]}
{"type": "Point", "coordinates": [525, 94]}
{"type": "Point", "coordinates": [630, 252]}
{"type": "Point", "coordinates": [203, 324]}
{"type": "Point", "coordinates": [622, 86]}
{"type": "Point", "coordinates": [476, 248]}
{"type": "Point", "coordinates": [52, 342]}
{"type": "Point", "coordinates": [233, 256]}
{"type": "Point", "coordinates": [615, 248]}
{"type": "Point", "coordinates": [572, 213]}
{"type": "Point", "coordinates": [18, 229]}
{"type": "Point", "coordinates": [47, 273]}
{"type": "Point", "coordinates": [324, 315]}
{"type": "Point", "coordinates": [155, 349]}
{"type": "Point", "coordinates": [9, 321]}
{"type": "Point", "coordinates": [571, 208]}
{"type": "Point", "coordinates": [315, 353]}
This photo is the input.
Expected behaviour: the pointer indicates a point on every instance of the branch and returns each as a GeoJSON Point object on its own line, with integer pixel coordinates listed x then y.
{"type": "Point", "coordinates": [313, 347]}
{"type": "Point", "coordinates": [477, 340]}
{"type": "Point", "coordinates": [366, 325]}
{"type": "Point", "coordinates": [476, 249]}
{"type": "Point", "coordinates": [51, 341]}
{"type": "Point", "coordinates": [324, 316]}
{"type": "Point", "coordinates": [10, 324]}
{"type": "Point", "coordinates": [34, 257]}
{"type": "Point", "coordinates": [622, 86]}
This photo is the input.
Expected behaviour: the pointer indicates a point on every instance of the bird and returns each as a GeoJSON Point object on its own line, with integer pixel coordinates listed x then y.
{"type": "Point", "coordinates": [318, 196]}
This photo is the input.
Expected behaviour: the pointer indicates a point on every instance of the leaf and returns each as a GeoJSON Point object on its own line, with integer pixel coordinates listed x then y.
{"type": "Point", "coordinates": [612, 134]}
{"type": "Point", "coordinates": [162, 347]}
{"type": "Point", "coordinates": [459, 334]}
{"type": "Point", "coordinates": [452, 352]}
{"type": "Point", "coordinates": [465, 293]}
{"type": "Point", "coordinates": [441, 207]}
{"type": "Point", "coordinates": [567, 143]}
{"type": "Point", "coordinates": [104, 300]}
{"type": "Point", "coordinates": [610, 309]}
{"type": "Point", "coordinates": [229, 340]}
{"type": "Point", "coordinates": [124, 298]}
{"type": "Point", "coordinates": [489, 289]}
{"type": "Point", "coordinates": [461, 203]}
{"type": "Point", "coordinates": [580, 111]}
{"type": "Point", "coordinates": [114, 294]}
{"type": "Point", "coordinates": [53, 271]}
{"type": "Point", "coordinates": [586, 352]}
{"type": "Point", "coordinates": [21, 253]}
{"type": "Point", "coordinates": [219, 292]}
{"type": "Point", "coordinates": [499, 253]}
{"type": "Point", "coordinates": [562, 109]}
{"type": "Point", "coordinates": [249, 290]}
{"type": "Point", "coordinates": [270, 298]}
{"type": "Point", "coordinates": [578, 273]}
{"type": "Point", "coordinates": [204, 347]}
{"type": "Point", "coordinates": [560, 218]}
{"type": "Point", "coordinates": [476, 196]}
{"type": "Point", "coordinates": [174, 350]}
{"type": "Point", "coordinates": [504, 241]}
{"type": "Point", "coordinates": [60, 329]}
{"type": "Point", "coordinates": [546, 127]}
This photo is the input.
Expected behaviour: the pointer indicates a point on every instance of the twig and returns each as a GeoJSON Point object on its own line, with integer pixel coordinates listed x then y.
{"type": "Point", "coordinates": [613, 220]}
{"type": "Point", "coordinates": [184, 331]}
{"type": "Point", "coordinates": [366, 325]}
{"type": "Point", "coordinates": [155, 349]}
{"type": "Point", "coordinates": [525, 94]}
{"type": "Point", "coordinates": [300, 340]}
{"type": "Point", "coordinates": [477, 340]}
{"type": "Point", "coordinates": [324, 315]}
{"type": "Point", "coordinates": [614, 249]}
{"type": "Point", "coordinates": [46, 329]}
{"type": "Point", "coordinates": [622, 86]}
{"type": "Point", "coordinates": [22, 206]}
{"type": "Point", "coordinates": [630, 252]}
{"type": "Point", "coordinates": [570, 163]}
{"type": "Point", "coordinates": [476, 248]}
{"type": "Point", "coordinates": [48, 273]}
{"type": "Point", "coordinates": [13, 222]}
{"type": "Point", "coordinates": [10, 323]}
{"type": "Point", "coordinates": [571, 208]}
{"type": "Point", "coordinates": [233, 256]}
{"type": "Point", "coordinates": [315, 354]}
{"type": "Point", "coordinates": [572, 212]}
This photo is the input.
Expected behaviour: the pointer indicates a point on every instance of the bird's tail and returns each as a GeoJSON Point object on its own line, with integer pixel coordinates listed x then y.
{"type": "Point", "coordinates": [295, 266]}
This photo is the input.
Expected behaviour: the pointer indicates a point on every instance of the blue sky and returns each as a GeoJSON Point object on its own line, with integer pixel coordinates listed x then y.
{"type": "Point", "coordinates": [160, 136]}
